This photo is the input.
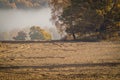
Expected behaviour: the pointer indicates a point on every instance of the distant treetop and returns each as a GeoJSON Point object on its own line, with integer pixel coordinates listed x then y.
{"type": "Point", "coordinates": [23, 4]}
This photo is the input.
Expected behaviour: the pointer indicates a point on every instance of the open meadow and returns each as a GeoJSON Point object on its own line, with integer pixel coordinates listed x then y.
{"type": "Point", "coordinates": [60, 60]}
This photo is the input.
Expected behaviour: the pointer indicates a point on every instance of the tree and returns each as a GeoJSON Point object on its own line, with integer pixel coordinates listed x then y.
{"type": "Point", "coordinates": [57, 10]}
{"type": "Point", "coordinates": [84, 16]}
{"type": "Point", "coordinates": [20, 36]}
{"type": "Point", "coordinates": [110, 11]}
{"type": "Point", "coordinates": [76, 16]}
{"type": "Point", "coordinates": [80, 18]}
{"type": "Point", "coordinates": [46, 35]}
{"type": "Point", "coordinates": [36, 33]}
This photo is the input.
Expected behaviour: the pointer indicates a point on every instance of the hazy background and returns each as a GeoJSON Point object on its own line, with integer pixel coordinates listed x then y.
{"type": "Point", "coordinates": [16, 15]}
{"type": "Point", "coordinates": [14, 18]}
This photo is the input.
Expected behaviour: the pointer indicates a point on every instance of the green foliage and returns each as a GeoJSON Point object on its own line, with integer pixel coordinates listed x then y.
{"type": "Point", "coordinates": [21, 36]}
{"type": "Point", "coordinates": [35, 33]}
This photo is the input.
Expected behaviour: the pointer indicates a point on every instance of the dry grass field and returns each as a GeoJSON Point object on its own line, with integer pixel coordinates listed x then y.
{"type": "Point", "coordinates": [60, 61]}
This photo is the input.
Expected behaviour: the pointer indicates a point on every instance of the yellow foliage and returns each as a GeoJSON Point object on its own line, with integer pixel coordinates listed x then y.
{"type": "Point", "coordinates": [117, 23]}
{"type": "Point", "coordinates": [118, 5]}
{"type": "Point", "coordinates": [107, 8]}
{"type": "Point", "coordinates": [100, 12]}
{"type": "Point", "coordinates": [47, 36]}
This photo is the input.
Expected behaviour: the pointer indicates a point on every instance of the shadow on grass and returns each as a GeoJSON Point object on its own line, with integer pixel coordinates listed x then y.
{"type": "Point", "coordinates": [63, 66]}
{"type": "Point", "coordinates": [52, 41]}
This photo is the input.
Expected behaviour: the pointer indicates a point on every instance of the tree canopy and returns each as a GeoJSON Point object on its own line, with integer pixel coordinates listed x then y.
{"type": "Point", "coordinates": [36, 33]}
{"type": "Point", "coordinates": [20, 36]}
{"type": "Point", "coordinates": [101, 17]}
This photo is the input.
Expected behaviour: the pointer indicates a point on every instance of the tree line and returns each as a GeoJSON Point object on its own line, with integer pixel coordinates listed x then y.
{"type": "Point", "coordinates": [23, 4]}
{"type": "Point", "coordinates": [35, 33]}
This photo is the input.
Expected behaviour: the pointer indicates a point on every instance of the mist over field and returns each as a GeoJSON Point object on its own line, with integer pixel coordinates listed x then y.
{"type": "Point", "coordinates": [14, 18]}
{"type": "Point", "coordinates": [19, 19]}
{"type": "Point", "coordinates": [21, 15]}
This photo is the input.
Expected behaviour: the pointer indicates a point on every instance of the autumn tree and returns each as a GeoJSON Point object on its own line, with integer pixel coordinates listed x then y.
{"type": "Point", "coordinates": [75, 17]}
{"type": "Point", "coordinates": [57, 7]}
{"type": "Point", "coordinates": [80, 18]}
{"type": "Point", "coordinates": [47, 36]}
{"type": "Point", "coordinates": [36, 33]}
{"type": "Point", "coordinates": [110, 11]}
{"type": "Point", "coordinates": [84, 16]}
{"type": "Point", "coordinates": [20, 36]}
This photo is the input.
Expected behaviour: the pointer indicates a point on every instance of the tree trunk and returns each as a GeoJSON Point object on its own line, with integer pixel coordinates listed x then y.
{"type": "Point", "coordinates": [74, 37]}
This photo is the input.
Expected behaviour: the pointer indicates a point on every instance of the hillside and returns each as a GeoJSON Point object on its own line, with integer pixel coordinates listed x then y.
{"type": "Point", "coordinates": [23, 4]}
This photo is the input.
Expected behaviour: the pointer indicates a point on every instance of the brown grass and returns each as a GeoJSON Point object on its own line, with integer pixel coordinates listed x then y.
{"type": "Point", "coordinates": [60, 61]}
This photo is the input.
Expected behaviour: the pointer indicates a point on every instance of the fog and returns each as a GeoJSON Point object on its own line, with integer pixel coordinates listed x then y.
{"type": "Point", "coordinates": [18, 19]}
{"type": "Point", "coordinates": [10, 19]}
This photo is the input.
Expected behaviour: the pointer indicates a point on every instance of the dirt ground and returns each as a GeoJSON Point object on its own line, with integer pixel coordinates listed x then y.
{"type": "Point", "coordinates": [60, 61]}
